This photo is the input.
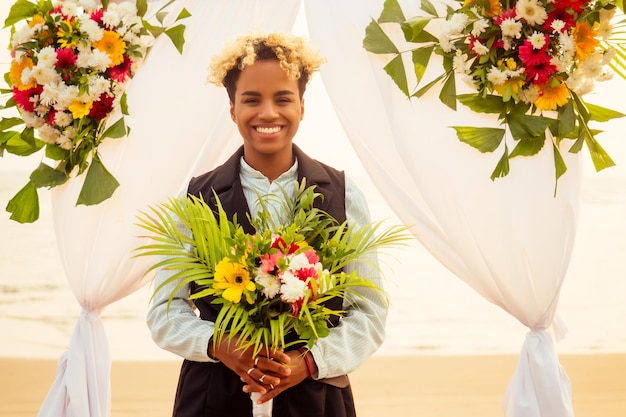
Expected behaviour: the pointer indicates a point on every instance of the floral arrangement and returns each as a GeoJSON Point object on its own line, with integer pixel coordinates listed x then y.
{"type": "Point", "coordinates": [528, 61]}
{"type": "Point", "coordinates": [269, 283]}
{"type": "Point", "coordinates": [71, 61]}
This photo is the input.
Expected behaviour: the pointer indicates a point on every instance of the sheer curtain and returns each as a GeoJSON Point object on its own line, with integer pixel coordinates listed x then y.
{"type": "Point", "coordinates": [179, 125]}
{"type": "Point", "coordinates": [510, 240]}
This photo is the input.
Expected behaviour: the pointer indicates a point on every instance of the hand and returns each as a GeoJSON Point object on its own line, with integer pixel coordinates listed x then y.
{"type": "Point", "coordinates": [261, 373]}
{"type": "Point", "coordinates": [299, 372]}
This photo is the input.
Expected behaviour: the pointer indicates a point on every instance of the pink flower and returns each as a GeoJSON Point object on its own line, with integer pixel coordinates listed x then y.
{"type": "Point", "coordinates": [121, 72]}
{"type": "Point", "coordinates": [23, 97]}
{"type": "Point", "coordinates": [269, 262]}
{"type": "Point", "coordinates": [66, 59]}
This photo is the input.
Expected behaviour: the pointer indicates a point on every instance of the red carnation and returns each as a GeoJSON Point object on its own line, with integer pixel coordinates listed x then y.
{"type": "Point", "coordinates": [102, 107]}
{"type": "Point", "coordinates": [531, 56]}
{"type": "Point", "coordinates": [23, 97]}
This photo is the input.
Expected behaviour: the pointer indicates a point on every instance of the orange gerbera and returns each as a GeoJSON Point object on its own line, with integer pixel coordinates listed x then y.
{"type": "Point", "coordinates": [586, 40]}
{"type": "Point", "coordinates": [551, 97]}
{"type": "Point", "coordinates": [113, 46]}
{"type": "Point", "coordinates": [15, 74]}
{"type": "Point", "coordinates": [37, 19]}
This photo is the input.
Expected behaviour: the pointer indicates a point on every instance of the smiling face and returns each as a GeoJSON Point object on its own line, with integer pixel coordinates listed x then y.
{"type": "Point", "coordinates": [267, 109]}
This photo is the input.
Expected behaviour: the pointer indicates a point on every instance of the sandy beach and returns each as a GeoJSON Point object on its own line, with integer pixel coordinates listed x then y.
{"type": "Point", "coordinates": [407, 386]}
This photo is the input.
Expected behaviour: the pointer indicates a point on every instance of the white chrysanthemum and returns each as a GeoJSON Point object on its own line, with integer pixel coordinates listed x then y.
{"type": "Point", "coordinates": [292, 289]}
{"type": "Point", "coordinates": [63, 119]}
{"type": "Point", "coordinates": [270, 284]}
{"type": "Point", "coordinates": [45, 75]}
{"type": "Point", "coordinates": [459, 63]}
{"type": "Point", "coordinates": [480, 26]}
{"type": "Point", "coordinates": [83, 56]}
{"type": "Point", "coordinates": [561, 63]}
{"type": "Point", "coordinates": [49, 94]}
{"type": "Point", "coordinates": [127, 9]}
{"type": "Point", "coordinates": [507, 43]}
{"type": "Point", "coordinates": [298, 261]}
{"type": "Point", "coordinates": [607, 15]}
{"type": "Point", "coordinates": [531, 11]}
{"type": "Point", "coordinates": [457, 23]}
{"type": "Point", "coordinates": [88, 4]}
{"type": "Point", "coordinates": [99, 85]}
{"type": "Point", "coordinates": [134, 24]}
{"type": "Point", "coordinates": [67, 94]}
{"type": "Point", "coordinates": [111, 18]}
{"type": "Point", "coordinates": [567, 44]}
{"type": "Point", "coordinates": [609, 54]}
{"type": "Point", "coordinates": [605, 31]}
{"type": "Point", "coordinates": [48, 134]}
{"type": "Point", "coordinates": [91, 28]}
{"type": "Point", "coordinates": [537, 40]}
{"type": "Point", "coordinates": [70, 8]}
{"type": "Point", "coordinates": [24, 34]}
{"type": "Point", "coordinates": [446, 44]}
{"type": "Point", "coordinates": [479, 48]}
{"type": "Point", "coordinates": [511, 27]}
{"type": "Point", "coordinates": [496, 76]}
{"type": "Point", "coordinates": [593, 66]}
{"type": "Point", "coordinates": [99, 60]}
{"type": "Point", "coordinates": [27, 74]}
{"type": "Point", "coordinates": [47, 57]}
{"type": "Point", "coordinates": [557, 25]}
{"type": "Point", "coordinates": [529, 95]}
{"type": "Point", "coordinates": [131, 38]}
{"type": "Point", "coordinates": [64, 142]}
{"type": "Point", "coordinates": [32, 120]}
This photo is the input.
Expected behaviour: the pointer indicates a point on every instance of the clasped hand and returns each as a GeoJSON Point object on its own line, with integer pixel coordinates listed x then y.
{"type": "Point", "coordinates": [270, 372]}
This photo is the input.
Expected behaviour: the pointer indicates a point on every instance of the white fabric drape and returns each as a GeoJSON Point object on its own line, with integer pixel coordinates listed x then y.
{"type": "Point", "coordinates": [180, 125]}
{"type": "Point", "coordinates": [510, 240]}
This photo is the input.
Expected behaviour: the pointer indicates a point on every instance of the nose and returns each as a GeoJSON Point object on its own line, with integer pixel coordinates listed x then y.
{"type": "Point", "coordinates": [268, 111]}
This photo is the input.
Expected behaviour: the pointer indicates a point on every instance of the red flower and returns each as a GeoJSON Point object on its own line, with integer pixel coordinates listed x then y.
{"type": "Point", "coordinates": [97, 15]}
{"type": "Point", "coordinates": [506, 14]}
{"type": "Point", "coordinates": [531, 56]}
{"type": "Point", "coordinates": [66, 59]}
{"type": "Point", "coordinates": [121, 73]}
{"type": "Point", "coordinates": [305, 273]}
{"type": "Point", "coordinates": [23, 97]}
{"type": "Point", "coordinates": [52, 116]}
{"type": "Point", "coordinates": [560, 12]}
{"type": "Point", "coordinates": [102, 107]}
{"type": "Point", "coordinates": [539, 73]}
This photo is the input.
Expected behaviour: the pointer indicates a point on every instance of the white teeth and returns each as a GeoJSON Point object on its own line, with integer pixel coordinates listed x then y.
{"type": "Point", "coordinates": [268, 130]}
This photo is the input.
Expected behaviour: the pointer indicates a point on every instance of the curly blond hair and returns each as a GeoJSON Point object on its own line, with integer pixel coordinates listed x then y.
{"type": "Point", "coordinates": [295, 55]}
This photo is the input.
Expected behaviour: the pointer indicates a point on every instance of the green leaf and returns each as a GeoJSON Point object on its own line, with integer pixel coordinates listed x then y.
{"type": "Point", "coordinates": [376, 40]}
{"type": "Point", "coordinates": [124, 104]}
{"type": "Point", "coordinates": [524, 126]}
{"type": "Point", "coordinates": [9, 122]}
{"type": "Point", "coordinates": [142, 7]}
{"type": "Point", "coordinates": [502, 168]}
{"type": "Point", "coordinates": [395, 69]}
{"type": "Point", "coordinates": [414, 30]}
{"type": "Point", "coordinates": [567, 119]}
{"type": "Point", "coordinates": [19, 144]}
{"type": "Point", "coordinates": [99, 184]}
{"type": "Point", "coordinates": [392, 12]}
{"type": "Point", "coordinates": [485, 139]}
{"type": "Point", "coordinates": [420, 58]}
{"type": "Point", "coordinates": [116, 130]}
{"type": "Point", "coordinates": [46, 176]}
{"type": "Point", "coordinates": [529, 146]}
{"type": "Point", "coordinates": [177, 35]}
{"type": "Point", "coordinates": [559, 164]}
{"type": "Point", "coordinates": [428, 7]}
{"type": "Point", "coordinates": [21, 9]}
{"type": "Point", "coordinates": [602, 114]}
{"type": "Point", "coordinates": [489, 104]}
{"type": "Point", "coordinates": [184, 14]}
{"type": "Point", "coordinates": [599, 156]}
{"type": "Point", "coordinates": [24, 206]}
{"type": "Point", "coordinates": [447, 95]}
{"type": "Point", "coordinates": [428, 86]}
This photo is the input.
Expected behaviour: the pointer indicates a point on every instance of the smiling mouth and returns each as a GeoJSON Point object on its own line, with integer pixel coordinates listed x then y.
{"type": "Point", "coordinates": [268, 130]}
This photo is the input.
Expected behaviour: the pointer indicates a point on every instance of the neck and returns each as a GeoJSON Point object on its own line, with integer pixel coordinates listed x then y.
{"type": "Point", "coordinates": [272, 166]}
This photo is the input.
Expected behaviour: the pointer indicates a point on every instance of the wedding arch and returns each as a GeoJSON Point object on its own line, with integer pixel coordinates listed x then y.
{"type": "Point", "coordinates": [510, 240]}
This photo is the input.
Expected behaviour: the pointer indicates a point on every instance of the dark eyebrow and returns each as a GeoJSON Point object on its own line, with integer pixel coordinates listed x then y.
{"type": "Point", "coordinates": [278, 93]}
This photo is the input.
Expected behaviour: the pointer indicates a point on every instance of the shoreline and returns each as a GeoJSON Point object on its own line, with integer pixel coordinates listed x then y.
{"type": "Point", "coordinates": [407, 386]}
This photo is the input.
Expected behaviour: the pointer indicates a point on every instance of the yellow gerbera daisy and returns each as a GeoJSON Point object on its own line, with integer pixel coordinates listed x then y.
{"type": "Point", "coordinates": [65, 32]}
{"type": "Point", "coordinates": [80, 109]}
{"type": "Point", "coordinates": [15, 74]}
{"type": "Point", "coordinates": [234, 279]}
{"type": "Point", "coordinates": [551, 97]}
{"type": "Point", "coordinates": [113, 46]}
{"type": "Point", "coordinates": [586, 39]}
{"type": "Point", "coordinates": [491, 7]}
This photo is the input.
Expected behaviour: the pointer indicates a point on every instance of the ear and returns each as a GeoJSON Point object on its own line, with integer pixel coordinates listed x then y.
{"type": "Point", "coordinates": [301, 108]}
{"type": "Point", "coordinates": [232, 112]}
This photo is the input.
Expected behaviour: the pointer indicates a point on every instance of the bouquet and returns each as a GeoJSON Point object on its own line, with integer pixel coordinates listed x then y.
{"type": "Point", "coordinates": [273, 286]}
{"type": "Point", "coordinates": [528, 61]}
{"type": "Point", "coordinates": [71, 61]}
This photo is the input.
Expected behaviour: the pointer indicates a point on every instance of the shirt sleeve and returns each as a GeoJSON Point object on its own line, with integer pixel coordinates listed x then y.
{"type": "Point", "coordinates": [178, 329]}
{"type": "Point", "coordinates": [362, 330]}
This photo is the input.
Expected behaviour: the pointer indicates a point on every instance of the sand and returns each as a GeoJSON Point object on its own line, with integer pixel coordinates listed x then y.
{"type": "Point", "coordinates": [424, 386]}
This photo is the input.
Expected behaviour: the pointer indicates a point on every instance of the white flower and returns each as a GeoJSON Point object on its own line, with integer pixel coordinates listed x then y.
{"type": "Point", "coordinates": [537, 40]}
{"type": "Point", "coordinates": [479, 48]}
{"type": "Point", "coordinates": [299, 261]}
{"type": "Point", "coordinates": [48, 134]}
{"type": "Point", "coordinates": [32, 120]}
{"type": "Point", "coordinates": [605, 30]}
{"type": "Point", "coordinates": [593, 66]}
{"type": "Point", "coordinates": [111, 18]}
{"type": "Point", "coordinates": [606, 15]}
{"type": "Point", "coordinates": [45, 75]}
{"type": "Point", "coordinates": [531, 11]}
{"type": "Point", "coordinates": [457, 23]}
{"type": "Point", "coordinates": [496, 77]}
{"type": "Point", "coordinates": [292, 289]}
{"type": "Point", "coordinates": [270, 284]}
{"type": "Point", "coordinates": [24, 34]}
{"type": "Point", "coordinates": [67, 94]}
{"type": "Point", "coordinates": [49, 94]}
{"type": "Point", "coordinates": [609, 54]}
{"type": "Point", "coordinates": [529, 95]}
{"type": "Point", "coordinates": [90, 28]}
{"type": "Point", "coordinates": [446, 45]}
{"type": "Point", "coordinates": [63, 119]}
{"type": "Point", "coordinates": [99, 60]}
{"type": "Point", "coordinates": [511, 27]}
{"type": "Point", "coordinates": [64, 142]}
{"type": "Point", "coordinates": [557, 25]}
{"type": "Point", "coordinates": [459, 63]}
{"type": "Point", "coordinates": [87, 4]}
{"type": "Point", "coordinates": [26, 76]}
{"type": "Point", "coordinates": [99, 85]}
{"type": "Point", "coordinates": [47, 57]}
{"type": "Point", "coordinates": [70, 9]}
{"type": "Point", "coordinates": [479, 26]}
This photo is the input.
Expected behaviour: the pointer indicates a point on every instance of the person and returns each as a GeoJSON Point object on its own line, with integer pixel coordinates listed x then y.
{"type": "Point", "coordinates": [265, 77]}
